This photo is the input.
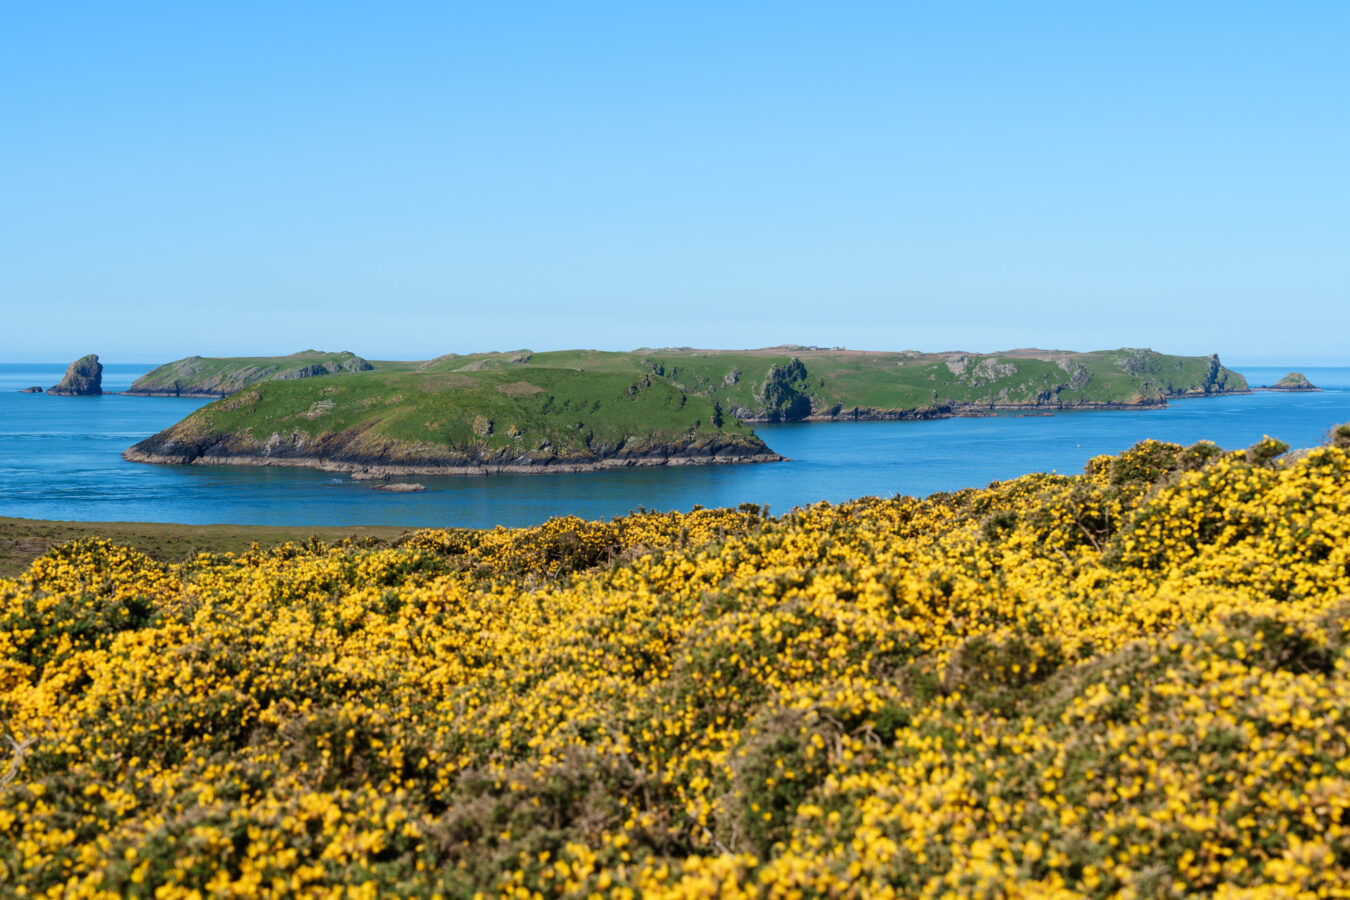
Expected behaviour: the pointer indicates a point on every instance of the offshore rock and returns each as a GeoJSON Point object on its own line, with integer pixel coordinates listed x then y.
{"type": "Point", "coordinates": [31, 390]}
{"type": "Point", "coordinates": [84, 378]}
{"type": "Point", "coordinates": [1294, 381]}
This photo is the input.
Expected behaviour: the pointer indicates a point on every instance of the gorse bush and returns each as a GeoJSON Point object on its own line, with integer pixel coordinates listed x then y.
{"type": "Point", "coordinates": [1131, 682]}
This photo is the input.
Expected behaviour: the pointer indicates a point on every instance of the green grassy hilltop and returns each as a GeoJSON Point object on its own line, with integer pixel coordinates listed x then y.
{"type": "Point", "coordinates": [795, 383]}
{"type": "Point", "coordinates": [499, 419]}
{"type": "Point", "coordinates": [197, 376]}
{"type": "Point", "coordinates": [520, 410]}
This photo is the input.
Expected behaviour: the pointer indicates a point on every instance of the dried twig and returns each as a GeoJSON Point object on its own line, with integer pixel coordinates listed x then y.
{"type": "Point", "coordinates": [721, 847]}
{"type": "Point", "coordinates": [18, 748]}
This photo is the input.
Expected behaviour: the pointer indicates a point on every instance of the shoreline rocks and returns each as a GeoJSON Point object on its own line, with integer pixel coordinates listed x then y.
{"type": "Point", "coordinates": [400, 487]}
{"type": "Point", "coordinates": [372, 470]}
{"type": "Point", "coordinates": [31, 390]}
{"type": "Point", "coordinates": [84, 378]}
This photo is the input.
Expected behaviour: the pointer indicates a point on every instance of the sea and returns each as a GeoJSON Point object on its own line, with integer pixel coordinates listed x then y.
{"type": "Point", "coordinates": [60, 459]}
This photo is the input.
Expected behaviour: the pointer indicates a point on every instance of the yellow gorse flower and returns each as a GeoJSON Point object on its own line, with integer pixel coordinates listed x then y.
{"type": "Point", "coordinates": [1132, 682]}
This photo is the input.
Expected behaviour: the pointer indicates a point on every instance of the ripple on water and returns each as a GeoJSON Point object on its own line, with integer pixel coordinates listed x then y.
{"type": "Point", "coordinates": [60, 459]}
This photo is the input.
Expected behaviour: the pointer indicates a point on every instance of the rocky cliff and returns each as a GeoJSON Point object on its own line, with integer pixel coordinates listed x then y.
{"type": "Point", "coordinates": [84, 378]}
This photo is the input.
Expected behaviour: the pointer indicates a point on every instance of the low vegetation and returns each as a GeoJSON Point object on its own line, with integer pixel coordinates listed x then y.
{"type": "Point", "coordinates": [197, 376]}
{"type": "Point", "coordinates": [490, 417]}
{"type": "Point", "coordinates": [794, 382]}
{"type": "Point", "coordinates": [524, 411]}
{"type": "Point", "coordinates": [1130, 682]}
{"type": "Point", "coordinates": [23, 540]}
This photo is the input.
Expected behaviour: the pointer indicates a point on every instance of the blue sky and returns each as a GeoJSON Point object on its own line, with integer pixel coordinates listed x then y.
{"type": "Point", "coordinates": [409, 179]}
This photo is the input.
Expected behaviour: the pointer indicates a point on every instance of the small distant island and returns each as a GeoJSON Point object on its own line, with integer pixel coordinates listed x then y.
{"type": "Point", "coordinates": [1294, 381]}
{"type": "Point", "coordinates": [583, 410]}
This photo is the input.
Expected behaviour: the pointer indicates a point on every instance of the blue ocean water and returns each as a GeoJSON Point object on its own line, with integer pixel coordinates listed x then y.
{"type": "Point", "coordinates": [60, 458]}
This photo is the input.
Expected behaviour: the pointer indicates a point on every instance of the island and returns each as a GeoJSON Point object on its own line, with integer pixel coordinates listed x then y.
{"type": "Point", "coordinates": [198, 376]}
{"type": "Point", "coordinates": [1294, 381]}
{"type": "Point", "coordinates": [83, 378]}
{"type": "Point", "coordinates": [581, 410]}
{"type": "Point", "coordinates": [392, 424]}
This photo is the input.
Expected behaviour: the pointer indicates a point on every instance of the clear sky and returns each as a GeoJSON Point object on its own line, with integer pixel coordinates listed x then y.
{"type": "Point", "coordinates": [409, 179]}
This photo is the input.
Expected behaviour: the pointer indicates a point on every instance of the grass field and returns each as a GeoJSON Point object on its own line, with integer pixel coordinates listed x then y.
{"type": "Point", "coordinates": [838, 380]}
{"type": "Point", "coordinates": [490, 415]}
{"type": "Point", "coordinates": [23, 540]}
{"type": "Point", "coordinates": [831, 380]}
{"type": "Point", "coordinates": [225, 375]}
{"type": "Point", "coordinates": [520, 409]}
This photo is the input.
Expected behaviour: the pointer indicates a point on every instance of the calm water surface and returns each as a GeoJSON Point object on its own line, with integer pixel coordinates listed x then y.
{"type": "Point", "coordinates": [60, 459]}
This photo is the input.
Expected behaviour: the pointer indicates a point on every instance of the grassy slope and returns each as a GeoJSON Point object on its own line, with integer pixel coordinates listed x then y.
{"type": "Point", "coordinates": [577, 406]}
{"type": "Point", "coordinates": [500, 414]}
{"type": "Point", "coordinates": [843, 379]}
{"type": "Point", "coordinates": [23, 540]}
{"type": "Point", "coordinates": [900, 381]}
{"type": "Point", "coordinates": [197, 374]}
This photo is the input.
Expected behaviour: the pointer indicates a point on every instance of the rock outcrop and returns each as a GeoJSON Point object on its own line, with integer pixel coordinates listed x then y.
{"type": "Point", "coordinates": [1294, 381]}
{"type": "Point", "coordinates": [31, 390]}
{"type": "Point", "coordinates": [84, 378]}
{"type": "Point", "coordinates": [783, 393]}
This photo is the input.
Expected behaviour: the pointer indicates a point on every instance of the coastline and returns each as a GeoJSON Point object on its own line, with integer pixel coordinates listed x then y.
{"type": "Point", "coordinates": [371, 471]}
{"type": "Point", "coordinates": [363, 470]}
{"type": "Point", "coordinates": [977, 410]}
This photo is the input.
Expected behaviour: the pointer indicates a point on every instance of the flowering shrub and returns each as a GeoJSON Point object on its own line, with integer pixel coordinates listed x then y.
{"type": "Point", "coordinates": [1132, 682]}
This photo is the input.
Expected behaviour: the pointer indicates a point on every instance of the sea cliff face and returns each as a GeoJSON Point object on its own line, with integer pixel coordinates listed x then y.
{"type": "Point", "coordinates": [84, 378]}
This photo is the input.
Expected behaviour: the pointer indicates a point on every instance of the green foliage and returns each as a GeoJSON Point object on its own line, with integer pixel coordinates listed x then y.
{"type": "Point", "coordinates": [791, 383]}
{"type": "Point", "coordinates": [1265, 451]}
{"type": "Point", "coordinates": [225, 375]}
{"type": "Point", "coordinates": [51, 626]}
{"type": "Point", "coordinates": [500, 415]}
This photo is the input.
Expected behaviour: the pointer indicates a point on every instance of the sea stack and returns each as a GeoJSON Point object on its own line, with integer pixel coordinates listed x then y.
{"type": "Point", "coordinates": [1294, 381]}
{"type": "Point", "coordinates": [84, 378]}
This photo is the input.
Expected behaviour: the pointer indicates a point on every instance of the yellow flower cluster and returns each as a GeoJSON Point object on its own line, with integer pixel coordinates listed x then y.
{"type": "Point", "coordinates": [1133, 682]}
